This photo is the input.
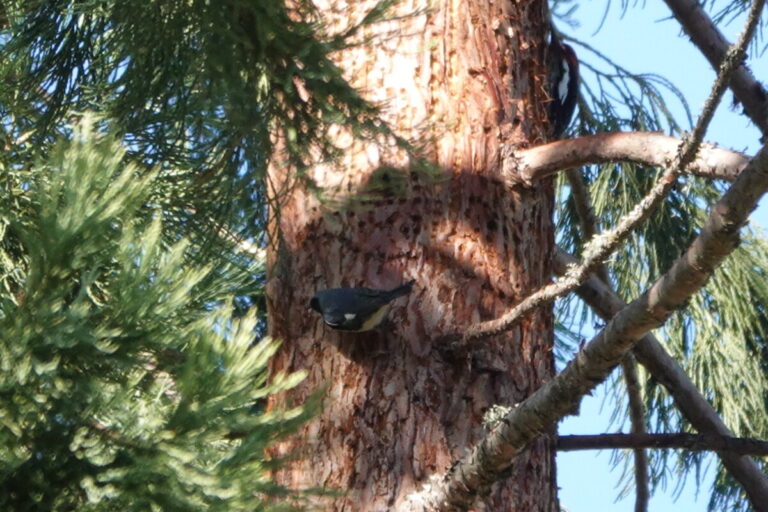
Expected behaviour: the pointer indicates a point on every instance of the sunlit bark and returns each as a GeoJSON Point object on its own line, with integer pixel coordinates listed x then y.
{"type": "Point", "coordinates": [462, 80]}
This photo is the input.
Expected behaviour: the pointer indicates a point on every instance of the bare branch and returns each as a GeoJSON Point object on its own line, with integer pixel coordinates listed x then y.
{"type": "Point", "coordinates": [580, 196]}
{"type": "Point", "coordinates": [647, 148]}
{"type": "Point", "coordinates": [587, 220]}
{"type": "Point", "coordinates": [695, 442]}
{"type": "Point", "coordinates": [694, 407]}
{"type": "Point", "coordinates": [538, 414]}
{"type": "Point", "coordinates": [711, 42]}
{"type": "Point", "coordinates": [637, 420]}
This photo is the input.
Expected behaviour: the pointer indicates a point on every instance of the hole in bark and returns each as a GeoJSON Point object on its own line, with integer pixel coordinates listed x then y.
{"type": "Point", "coordinates": [492, 225]}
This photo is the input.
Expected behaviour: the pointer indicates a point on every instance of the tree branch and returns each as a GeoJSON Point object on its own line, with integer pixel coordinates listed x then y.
{"type": "Point", "coordinates": [588, 223]}
{"type": "Point", "coordinates": [587, 220]}
{"type": "Point", "coordinates": [711, 42]}
{"type": "Point", "coordinates": [637, 420]}
{"type": "Point", "coordinates": [694, 407]}
{"type": "Point", "coordinates": [695, 442]}
{"type": "Point", "coordinates": [647, 148]}
{"type": "Point", "coordinates": [259, 254]}
{"type": "Point", "coordinates": [538, 414]}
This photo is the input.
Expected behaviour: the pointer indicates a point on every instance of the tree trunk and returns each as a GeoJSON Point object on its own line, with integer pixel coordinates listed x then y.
{"type": "Point", "coordinates": [462, 79]}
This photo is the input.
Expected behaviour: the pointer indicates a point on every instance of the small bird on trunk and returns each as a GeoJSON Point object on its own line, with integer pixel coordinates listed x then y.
{"type": "Point", "coordinates": [356, 309]}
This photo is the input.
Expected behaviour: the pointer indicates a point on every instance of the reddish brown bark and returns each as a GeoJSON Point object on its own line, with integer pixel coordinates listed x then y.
{"type": "Point", "coordinates": [462, 80]}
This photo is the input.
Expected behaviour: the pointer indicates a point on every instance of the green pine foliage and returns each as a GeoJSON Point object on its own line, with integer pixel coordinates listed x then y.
{"type": "Point", "coordinates": [125, 382]}
{"type": "Point", "coordinates": [204, 88]}
{"type": "Point", "coordinates": [131, 377]}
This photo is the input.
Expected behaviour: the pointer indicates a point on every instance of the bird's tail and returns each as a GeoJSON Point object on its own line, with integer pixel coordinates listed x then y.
{"type": "Point", "coordinates": [403, 289]}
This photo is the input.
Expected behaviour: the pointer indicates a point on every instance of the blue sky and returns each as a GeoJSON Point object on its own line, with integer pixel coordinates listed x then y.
{"type": "Point", "coordinates": [646, 40]}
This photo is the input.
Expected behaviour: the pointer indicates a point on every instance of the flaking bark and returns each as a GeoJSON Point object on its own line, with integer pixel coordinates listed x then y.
{"type": "Point", "coordinates": [460, 78]}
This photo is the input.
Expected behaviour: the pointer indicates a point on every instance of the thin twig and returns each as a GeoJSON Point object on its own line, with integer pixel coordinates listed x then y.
{"type": "Point", "coordinates": [694, 442]}
{"type": "Point", "coordinates": [596, 250]}
{"type": "Point", "coordinates": [637, 421]}
{"type": "Point", "coordinates": [259, 254]}
{"type": "Point", "coordinates": [588, 223]}
{"type": "Point", "coordinates": [229, 235]}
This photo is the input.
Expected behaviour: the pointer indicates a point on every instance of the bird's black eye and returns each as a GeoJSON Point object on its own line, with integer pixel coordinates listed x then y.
{"type": "Point", "coordinates": [315, 304]}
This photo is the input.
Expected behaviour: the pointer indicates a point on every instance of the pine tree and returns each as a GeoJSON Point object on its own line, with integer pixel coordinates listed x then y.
{"type": "Point", "coordinates": [127, 383]}
{"type": "Point", "coordinates": [361, 143]}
